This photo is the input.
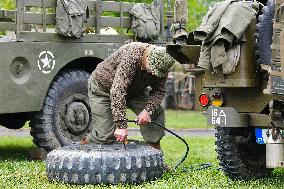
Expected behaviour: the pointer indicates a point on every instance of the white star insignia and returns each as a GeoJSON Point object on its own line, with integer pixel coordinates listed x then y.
{"type": "Point", "coordinates": [46, 61]}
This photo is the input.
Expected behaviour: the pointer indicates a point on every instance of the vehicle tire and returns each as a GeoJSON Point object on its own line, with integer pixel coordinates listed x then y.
{"type": "Point", "coordinates": [12, 121]}
{"type": "Point", "coordinates": [240, 161]}
{"type": "Point", "coordinates": [104, 164]}
{"type": "Point", "coordinates": [264, 33]}
{"type": "Point", "coordinates": [66, 114]}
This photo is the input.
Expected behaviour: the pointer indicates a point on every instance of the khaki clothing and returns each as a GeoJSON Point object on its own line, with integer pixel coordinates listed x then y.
{"type": "Point", "coordinates": [121, 76]}
{"type": "Point", "coordinates": [102, 118]}
{"type": "Point", "coordinates": [180, 20]}
{"type": "Point", "coordinates": [211, 20]}
{"type": "Point", "coordinates": [222, 28]}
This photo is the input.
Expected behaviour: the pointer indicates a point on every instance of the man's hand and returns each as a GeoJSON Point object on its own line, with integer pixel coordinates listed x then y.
{"type": "Point", "coordinates": [120, 134]}
{"type": "Point", "coordinates": [143, 118]}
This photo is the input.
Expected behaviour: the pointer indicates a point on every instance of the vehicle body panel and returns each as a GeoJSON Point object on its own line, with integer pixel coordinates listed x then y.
{"type": "Point", "coordinates": [27, 92]}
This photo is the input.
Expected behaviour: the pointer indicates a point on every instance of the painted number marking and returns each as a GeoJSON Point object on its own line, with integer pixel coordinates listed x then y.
{"type": "Point", "coordinates": [89, 52]}
{"type": "Point", "coordinates": [218, 117]}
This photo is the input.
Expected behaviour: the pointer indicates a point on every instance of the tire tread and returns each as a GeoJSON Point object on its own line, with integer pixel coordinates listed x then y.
{"type": "Point", "coordinates": [42, 123]}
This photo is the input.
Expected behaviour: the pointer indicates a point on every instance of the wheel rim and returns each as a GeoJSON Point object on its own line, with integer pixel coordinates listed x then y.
{"type": "Point", "coordinates": [77, 117]}
{"type": "Point", "coordinates": [74, 117]}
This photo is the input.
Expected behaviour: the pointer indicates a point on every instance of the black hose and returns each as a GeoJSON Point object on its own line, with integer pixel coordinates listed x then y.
{"type": "Point", "coordinates": [161, 126]}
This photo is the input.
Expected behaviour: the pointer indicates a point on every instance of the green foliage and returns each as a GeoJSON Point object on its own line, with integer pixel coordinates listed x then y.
{"type": "Point", "coordinates": [8, 4]}
{"type": "Point", "coordinates": [196, 10]}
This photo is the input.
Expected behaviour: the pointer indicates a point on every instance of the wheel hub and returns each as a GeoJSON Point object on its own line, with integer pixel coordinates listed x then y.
{"type": "Point", "coordinates": [77, 117]}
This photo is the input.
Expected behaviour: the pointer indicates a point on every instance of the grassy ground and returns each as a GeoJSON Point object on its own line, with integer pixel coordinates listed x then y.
{"type": "Point", "coordinates": [180, 119]}
{"type": "Point", "coordinates": [17, 172]}
{"type": "Point", "coordinates": [176, 119]}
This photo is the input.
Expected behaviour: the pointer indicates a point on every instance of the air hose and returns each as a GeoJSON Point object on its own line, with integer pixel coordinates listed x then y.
{"type": "Point", "coordinates": [186, 144]}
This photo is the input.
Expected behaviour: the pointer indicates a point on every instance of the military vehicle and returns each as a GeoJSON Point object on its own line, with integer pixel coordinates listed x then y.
{"type": "Point", "coordinates": [44, 74]}
{"type": "Point", "coordinates": [246, 106]}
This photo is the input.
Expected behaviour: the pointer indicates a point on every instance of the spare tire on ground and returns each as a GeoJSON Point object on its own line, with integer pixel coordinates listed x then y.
{"type": "Point", "coordinates": [105, 164]}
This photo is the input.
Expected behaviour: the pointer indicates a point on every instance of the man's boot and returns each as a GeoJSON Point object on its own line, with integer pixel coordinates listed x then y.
{"type": "Point", "coordinates": [155, 145]}
{"type": "Point", "coordinates": [158, 147]}
{"type": "Point", "coordinates": [37, 154]}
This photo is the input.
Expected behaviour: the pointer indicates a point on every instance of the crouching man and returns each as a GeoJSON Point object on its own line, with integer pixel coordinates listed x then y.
{"type": "Point", "coordinates": [123, 80]}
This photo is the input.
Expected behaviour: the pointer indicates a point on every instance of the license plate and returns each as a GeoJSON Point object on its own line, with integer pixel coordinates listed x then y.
{"type": "Point", "coordinates": [226, 117]}
{"type": "Point", "coordinates": [218, 117]}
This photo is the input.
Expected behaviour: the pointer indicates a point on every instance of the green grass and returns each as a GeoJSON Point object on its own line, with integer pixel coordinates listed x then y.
{"type": "Point", "coordinates": [175, 119]}
{"type": "Point", "coordinates": [180, 119]}
{"type": "Point", "coordinates": [16, 171]}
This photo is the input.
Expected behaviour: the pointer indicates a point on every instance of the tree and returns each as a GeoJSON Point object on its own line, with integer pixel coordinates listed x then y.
{"type": "Point", "coordinates": [196, 10]}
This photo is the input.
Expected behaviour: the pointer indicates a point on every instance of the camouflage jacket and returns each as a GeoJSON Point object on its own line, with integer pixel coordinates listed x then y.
{"type": "Point", "coordinates": [121, 76]}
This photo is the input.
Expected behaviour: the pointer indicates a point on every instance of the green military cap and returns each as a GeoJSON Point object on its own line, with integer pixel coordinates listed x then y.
{"type": "Point", "coordinates": [160, 61]}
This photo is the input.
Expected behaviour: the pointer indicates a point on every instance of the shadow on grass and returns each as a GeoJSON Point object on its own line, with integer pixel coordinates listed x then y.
{"type": "Point", "coordinates": [273, 180]}
{"type": "Point", "coordinates": [277, 175]}
{"type": "Point", "coordinates": [15, 153]}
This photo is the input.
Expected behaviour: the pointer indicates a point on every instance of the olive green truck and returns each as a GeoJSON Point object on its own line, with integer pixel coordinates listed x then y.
{"type": "Point", "coordinates": [44, 74]}
{"type": "Point", "coordinates": [246, 107]}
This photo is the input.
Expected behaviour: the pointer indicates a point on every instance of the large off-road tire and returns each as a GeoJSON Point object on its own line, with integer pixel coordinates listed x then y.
{"type": "Point", "coordinates": [66, 114]}
{"type": "Point", "coordinates": [264, 33]}
{"type": "Point", "coordinates": [104, 164]}
{"type": "Point", "coordinates": [245, 160]}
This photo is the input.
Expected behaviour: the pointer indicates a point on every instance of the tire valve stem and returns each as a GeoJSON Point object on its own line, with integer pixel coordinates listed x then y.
{"type": "Point", "coordinates": [124, 143]}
